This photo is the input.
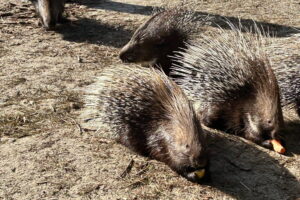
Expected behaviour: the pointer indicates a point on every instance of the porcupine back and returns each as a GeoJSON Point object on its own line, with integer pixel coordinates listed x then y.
{"type": "Point", "coordinates": [214, 69]}
{"type": "Point", "coordinates": [151, 115]}
{"type": "Point", "coordinates": [231, 76]}
{"type": "Point", "coordinates": [157, 39]}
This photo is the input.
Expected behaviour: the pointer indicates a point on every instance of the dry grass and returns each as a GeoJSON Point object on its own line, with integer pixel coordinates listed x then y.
{"type": "Point", "coordinates": [36, 114]}
{"type": "Point", "coordinates": [47, 154]}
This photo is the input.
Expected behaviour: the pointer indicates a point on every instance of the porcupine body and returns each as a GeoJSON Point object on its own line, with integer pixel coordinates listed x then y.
{"type": "Point", "coordinates": [151, 115]}
{"type": "Point", "coordinates": [157, 40]}
{"type": "Point", "coordinates": [231, 76]}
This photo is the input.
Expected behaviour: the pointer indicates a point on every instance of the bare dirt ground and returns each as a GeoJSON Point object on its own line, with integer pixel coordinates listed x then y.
{"type": "Point", "coordinates": [46, 154]}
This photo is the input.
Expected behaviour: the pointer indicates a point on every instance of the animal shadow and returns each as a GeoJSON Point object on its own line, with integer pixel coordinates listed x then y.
{"type": "Point", "coordinates": [275, 30]}
{"type": "Point", "coordinates": [86, 30]}
{"type": "Point", "coordinates": [292, 137]}
{"type": "Point", "coordinates": [246, 171]}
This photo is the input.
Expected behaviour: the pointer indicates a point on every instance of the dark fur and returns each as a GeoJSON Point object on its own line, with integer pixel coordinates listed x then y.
{"type": "Point", "coordinates": [151, 115]}
{"type": "Point", "coordinates": [160, 37]}
{"type": "Point", "coordinates": [49, 11]}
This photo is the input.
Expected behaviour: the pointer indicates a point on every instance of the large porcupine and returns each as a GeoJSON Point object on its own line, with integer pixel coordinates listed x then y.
{"type": "Point", "coordinates": [49, 11]}
{"type": "Point", "coordinates": [156, 41]}
{"type": "Point", "coordinates": [231, 77]}
{"type": "Point", "coordinates": [285, 57]}
{"type": "Point", "coordinates": [160, 36]}
{"type": "Point", "coordinates": [151, 115]}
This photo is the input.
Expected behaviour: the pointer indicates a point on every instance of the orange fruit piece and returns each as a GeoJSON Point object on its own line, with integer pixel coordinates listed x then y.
{"type": "Point", "coordinates": [277, 146]}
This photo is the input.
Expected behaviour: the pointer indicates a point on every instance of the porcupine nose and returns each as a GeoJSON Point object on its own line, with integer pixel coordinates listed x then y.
{"type": "Point", "coordinates": [269, 129]}
{"type": "Point", "coordinates": [126, 56]}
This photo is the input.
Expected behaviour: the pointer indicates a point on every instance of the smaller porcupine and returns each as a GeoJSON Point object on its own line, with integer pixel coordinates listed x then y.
{"type": "Point", "coordinates": [49, 11]}
{"type": "Point", "coordinates": [152, 116]}
{"type": "Point", "coordinates": [231, 77]}
{"type": "Point", "coordinates": [285, 57]}
{"type": "Point", "coordinates": [160, 37]}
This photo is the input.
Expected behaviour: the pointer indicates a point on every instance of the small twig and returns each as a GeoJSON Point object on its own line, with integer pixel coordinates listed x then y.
{"type": "Point", "coordinates": [144, 168]}
{"type": "Point", "coordinates": [138, 183]}
{"type": "Point", "coordinates": [6, 14]}
{"type": "Point", "coordinates": [46, 182]}
{"type": "Point", "coordinates": [19, 23]}
{"type": "Point", "coordinates": [245, 186]}
{"type": "Point", "coordinates": [103, 141]}
{"type": "Point", "coordinates": [77, 124]}
{"type": "Point", "coordinates": [24, 17]}
{"type": "Point", "coordinates": [128, 169]}
{"type": "Point", "coordinates": [237, 166]}
{"type": "Point", "coordinates": [9, 22]}
{"type": "Point", "coordinates": [88, 129]}
{"type": "Point", "coordinates": [41, 183]}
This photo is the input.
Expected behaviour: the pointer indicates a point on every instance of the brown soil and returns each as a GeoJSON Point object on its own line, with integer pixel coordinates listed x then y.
{"type": "Point", "coordinates": [46, 154]}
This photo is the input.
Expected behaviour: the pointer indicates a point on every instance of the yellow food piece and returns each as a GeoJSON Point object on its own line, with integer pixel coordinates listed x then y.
{"type": "Point", "coordinates": [200, 173]}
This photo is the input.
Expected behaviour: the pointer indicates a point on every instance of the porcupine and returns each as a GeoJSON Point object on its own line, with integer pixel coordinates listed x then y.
{"type": "Point", "coordinates": [285, 57]}
{"type": "Point", "coordinates": [231, 76]}
{"type": "Point", "coordinates": [152, 116]}
{"type": "Point", "coordinates": [156, 42]}
{"type": "Point", "coordinates": [49, 11]}
{"type": "Point", "coordinates": [158, 38]}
